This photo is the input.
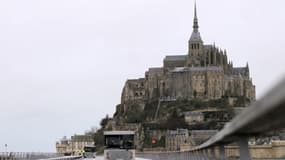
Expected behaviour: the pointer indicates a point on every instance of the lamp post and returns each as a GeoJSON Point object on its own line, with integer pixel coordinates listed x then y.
{"type": "Point", "coordinates": [6, 148]}
{"type": "Point", "coordinates": [6, 151]}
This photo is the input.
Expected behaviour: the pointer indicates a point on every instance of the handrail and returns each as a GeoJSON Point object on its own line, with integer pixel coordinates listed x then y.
{"type": "Point", "coordinates": [27, 155]}
{"type": "Point", "coordinates": [64, 158]}
{"type": "Point", "coordinates": [264, 115]}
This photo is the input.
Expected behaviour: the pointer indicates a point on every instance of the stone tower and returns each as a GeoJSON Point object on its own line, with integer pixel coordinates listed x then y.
{"type": "Point", "coordinates": [195, 44]}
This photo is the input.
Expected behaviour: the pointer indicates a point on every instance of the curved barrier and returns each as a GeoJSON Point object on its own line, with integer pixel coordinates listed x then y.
{"type": "Point", "coordinates": [27, 156]}
{"type": "Point", "coordinates": [64, 158]}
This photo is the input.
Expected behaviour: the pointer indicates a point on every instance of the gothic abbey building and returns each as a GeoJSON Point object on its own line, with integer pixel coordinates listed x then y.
{"type": "Point", "coordinates": [204, 73]}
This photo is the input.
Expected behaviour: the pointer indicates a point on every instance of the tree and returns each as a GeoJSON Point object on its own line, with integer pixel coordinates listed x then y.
{"type": "Point", "coordinates": [195, 94]}
{"type": "Point", "coordinates": [104, 121]}
{"type": "Point", "coordinates": [175, 121]}
{"type": "Point", "coordinates": [99, 140]}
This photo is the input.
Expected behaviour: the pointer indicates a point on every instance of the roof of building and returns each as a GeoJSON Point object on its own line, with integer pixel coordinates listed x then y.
{"type": "Point", "coordinates": [210, 68]}
{"type": "Point", "coordinates": [178, 131]}
{"type": "Point", "coordinates": [119, 132]}
{"type": "Point", "coordinates": [157, 69]}
{"type": "Point", "coordinates": [136, 80]}
{"type": "Point", "coordinates": [203, 132]}
{"type": "Point", "coordinates": [175, 58]}
{"type": "Point", "coordinates": [193, 113]}
{"type": "Point", "coordinates": [239, 70]}
{"type": "Point", "coordinates": [186, 69]}
{"type": "Point", "coordinates": [180, 69]}
{"type": "Point", "coordinates": [195, 36]}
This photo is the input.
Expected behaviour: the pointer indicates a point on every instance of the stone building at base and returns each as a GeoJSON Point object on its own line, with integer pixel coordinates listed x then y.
{"type": "Point", "coordinates": [174, 139]}
{"type": "Point", "coordinates": [74, 145]}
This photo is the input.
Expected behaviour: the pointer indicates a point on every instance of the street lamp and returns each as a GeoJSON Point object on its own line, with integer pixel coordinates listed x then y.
{"type": "Point", "coordinates": [6, 146]}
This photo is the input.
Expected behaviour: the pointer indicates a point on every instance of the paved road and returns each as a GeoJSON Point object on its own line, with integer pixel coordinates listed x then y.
{"type": "Point", "coordinates": [102, 158]}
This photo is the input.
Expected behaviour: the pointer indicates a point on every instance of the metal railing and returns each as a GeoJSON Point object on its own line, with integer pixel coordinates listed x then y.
{"type": "Point", "coordinates": [27, 156]}
{"type": "Point", "coordinates": [266, 114]}
{"type": "Point", "coordinates": [64, 158]}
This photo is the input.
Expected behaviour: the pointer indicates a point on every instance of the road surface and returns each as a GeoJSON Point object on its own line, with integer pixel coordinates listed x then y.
{"type": "Point", "coordinates": [102, 158]}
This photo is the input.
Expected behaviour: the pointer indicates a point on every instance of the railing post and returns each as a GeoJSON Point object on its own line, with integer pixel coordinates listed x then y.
{"type": "Point", "coordinates": [193, 155]}
{"type": "Point", "coordinates": [190, 155]}
{"type": "Point", "coordinates": [213, 152]}
{"type": "Point", "coordinates": [205, 154]}
{"type": "Point", "coordinates": [196, 153]}
{"type": "Point", "coordinates": [244, 149]}
{"type": "Point", "coordinates": [222, 152]}
{"type": "Point", "coordinates": [201, 156]}
{"type": "Point", "coordinates": [208, 153]}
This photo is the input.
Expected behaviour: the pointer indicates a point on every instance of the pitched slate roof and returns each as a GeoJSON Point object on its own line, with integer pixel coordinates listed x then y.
{"type": "Point", "coordinates": [176, 58]}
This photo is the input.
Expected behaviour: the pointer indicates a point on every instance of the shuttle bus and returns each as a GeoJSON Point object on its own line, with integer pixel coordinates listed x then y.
{"type": "Point", "coordinates": [119, 145]}
{"type": "Point", "coordinates": [89, 152]}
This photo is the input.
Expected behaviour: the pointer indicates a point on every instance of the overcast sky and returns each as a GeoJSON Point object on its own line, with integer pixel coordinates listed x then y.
{"type": "Point", "coordinates": [63, 63]}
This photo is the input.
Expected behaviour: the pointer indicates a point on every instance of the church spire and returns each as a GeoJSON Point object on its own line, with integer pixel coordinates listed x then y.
{"type": "Point", "coordinates": [195, 43]}
{"type": "Point", "coordinates": [195, 22]}
{"type": "Point", "coordinates": [195, 36]}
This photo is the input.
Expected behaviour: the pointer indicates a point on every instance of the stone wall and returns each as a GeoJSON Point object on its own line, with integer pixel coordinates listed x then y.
{"type": "Point", "coordinates": [274, 150]}
{"type": "Point", "coordinates": [133, 90]}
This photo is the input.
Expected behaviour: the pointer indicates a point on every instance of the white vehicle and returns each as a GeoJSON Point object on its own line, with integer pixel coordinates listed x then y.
{"type": "Point", "coordinates": [119, 145]}
{"type": "Point", "coordinates": [89, 152]}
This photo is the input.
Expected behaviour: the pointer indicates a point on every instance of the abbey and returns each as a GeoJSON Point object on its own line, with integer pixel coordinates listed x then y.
{"type": "Point", "coordinates": [204, 73]}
